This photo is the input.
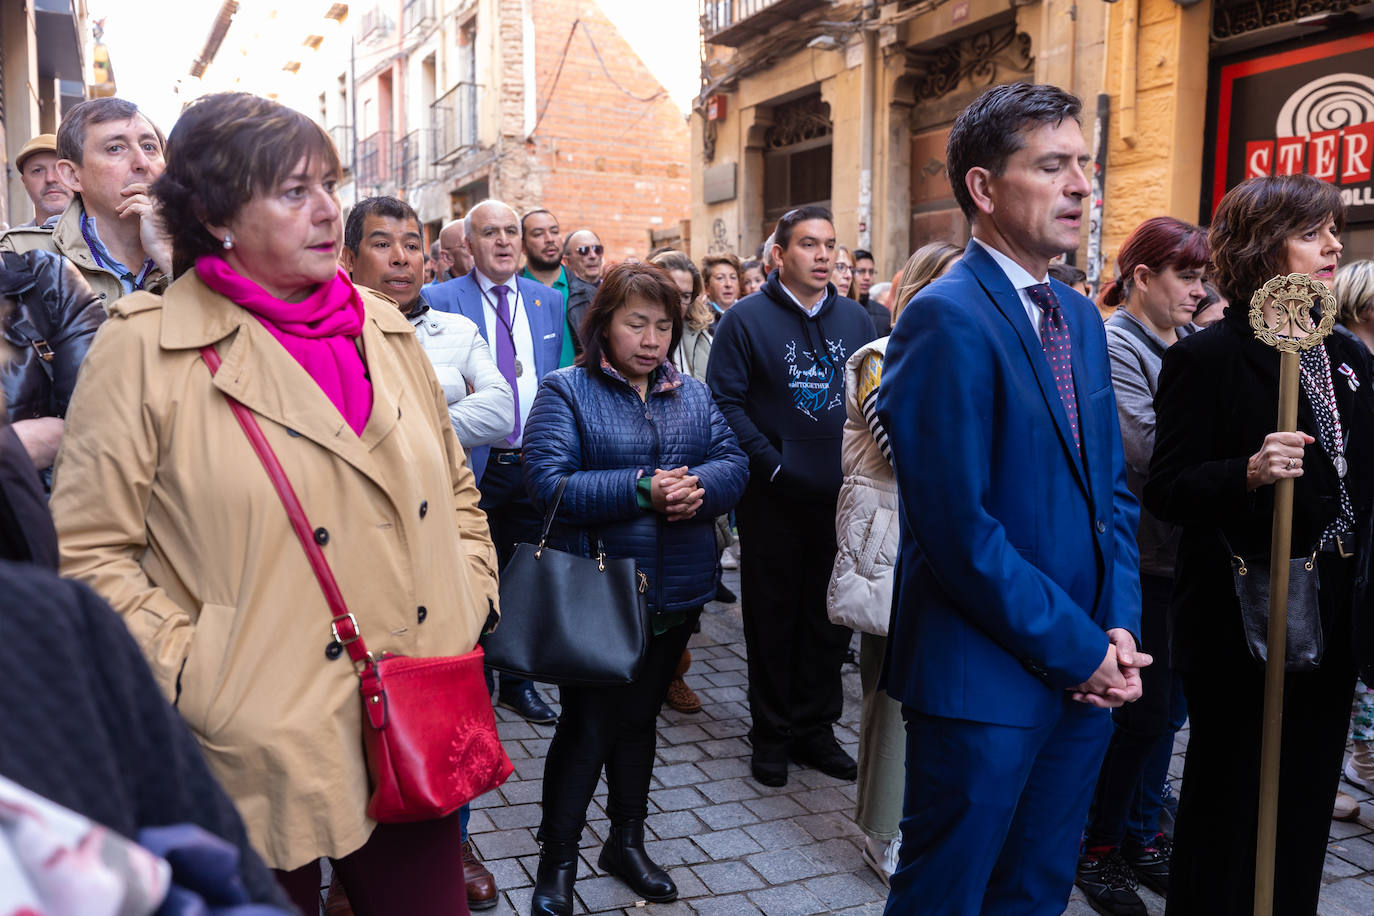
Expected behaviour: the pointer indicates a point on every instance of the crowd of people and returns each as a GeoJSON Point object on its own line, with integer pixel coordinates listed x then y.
{"type": "Point", "coordinates": [1028, 503]}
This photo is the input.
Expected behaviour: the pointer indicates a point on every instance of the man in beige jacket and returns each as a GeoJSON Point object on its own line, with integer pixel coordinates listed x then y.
{"type": "Point", "coordinates": [109, 154]}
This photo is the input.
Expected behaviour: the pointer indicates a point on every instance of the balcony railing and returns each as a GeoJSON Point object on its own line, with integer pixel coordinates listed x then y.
{"type": "Point", "coordinates": [453, 119]}
{"type": "Point", "coordinates": [375, 24]}
{"type": "Point", "coordinates": [374, 160]}
{"type": "Point", "coordinates": [342, 135]}
{"type": "Point", "coordinates": [414, 158]}
{"type": "Point", "coordinates": [733, 22]}
{"type": "Point", "coordinates": [416, 14]}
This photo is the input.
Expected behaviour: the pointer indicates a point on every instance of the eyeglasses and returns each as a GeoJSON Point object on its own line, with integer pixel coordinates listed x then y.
{"type": "Point", "coordinates": [585, 250]}
{"type": "Point", "coordinates": [843, 268]}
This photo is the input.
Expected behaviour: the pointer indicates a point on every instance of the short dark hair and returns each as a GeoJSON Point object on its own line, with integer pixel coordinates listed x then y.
{"type": "Point", "coordinates": [71, 133]}
{"type": "Point", "coordinates": [529, 213]}
{"type": "Point", "coordinates": [225, 149]}
{"type": "Point", "coordinates": [376, 206]}
{"type": "Point", "coordinates": [618, 285]}
{"type": "Point", "coordinates": [1254, 220]}
{"type": "Point", "coordinates": [782, 236]}
{"type": "Point", "coordinates": [991, 129]}
{"type": "Point", "coordinates": [1067, 273]}
{"type": "Point", "coordinates": [861, 255]}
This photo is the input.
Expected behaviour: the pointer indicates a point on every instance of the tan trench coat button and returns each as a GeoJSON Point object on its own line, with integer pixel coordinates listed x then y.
{"type": "Point", "coordinates": [421, 613]}
{"type": "Point", "coordinates": [321, 536]}
{"type": "Point", "coordinates": [333, 651]}
{"type": "Point", "coordinates": [424, 508]}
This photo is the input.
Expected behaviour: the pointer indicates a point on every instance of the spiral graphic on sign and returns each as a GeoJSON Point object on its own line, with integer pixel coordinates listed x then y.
{"type": "Point", "coordinates": [1327, 103]}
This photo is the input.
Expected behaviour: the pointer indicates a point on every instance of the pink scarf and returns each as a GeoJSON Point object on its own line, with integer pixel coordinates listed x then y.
{"type": "Point", "coordinates": [318, 331]}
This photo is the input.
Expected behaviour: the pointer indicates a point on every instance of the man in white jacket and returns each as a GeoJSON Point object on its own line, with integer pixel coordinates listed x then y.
{"type": "Point", "coordinates": [383, 249]}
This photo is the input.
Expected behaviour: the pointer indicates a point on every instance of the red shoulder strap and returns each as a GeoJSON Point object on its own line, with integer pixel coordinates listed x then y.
{"type": "Point", "coordinates": [343, 624]}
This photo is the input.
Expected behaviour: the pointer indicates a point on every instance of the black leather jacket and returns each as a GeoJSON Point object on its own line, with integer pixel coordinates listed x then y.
{"type": "Point", "coordinates": [580, 295]}
{"type": "Point", "coordinates": [50, 315]}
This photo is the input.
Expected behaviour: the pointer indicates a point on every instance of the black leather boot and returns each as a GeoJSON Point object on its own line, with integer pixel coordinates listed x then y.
{"type": "Point", "coordinates": [624, 856]}
{"type": "Point", "coordinates": [553, 880]}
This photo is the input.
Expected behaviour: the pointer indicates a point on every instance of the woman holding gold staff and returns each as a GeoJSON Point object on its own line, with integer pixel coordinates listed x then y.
{"type": "Point", "coordinates": [1215, 462]}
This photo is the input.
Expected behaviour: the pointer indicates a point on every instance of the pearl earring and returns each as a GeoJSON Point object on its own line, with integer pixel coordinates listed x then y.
{"type": "Point", "coordinates": [228, 242]}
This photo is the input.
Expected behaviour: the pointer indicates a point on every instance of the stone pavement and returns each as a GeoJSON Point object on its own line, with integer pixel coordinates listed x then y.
{"type": "Point", "coordinates": [734, 846]}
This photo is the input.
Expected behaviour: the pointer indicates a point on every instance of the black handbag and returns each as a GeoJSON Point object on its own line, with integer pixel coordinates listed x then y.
{"type": "Point", "coordinates": [1305, 644]}
{"type": "Point", "coordinates": [567, 619]}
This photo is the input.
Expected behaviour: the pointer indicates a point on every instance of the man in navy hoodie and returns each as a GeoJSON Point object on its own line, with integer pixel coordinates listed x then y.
{"type": "Point", "coordinates": [777, 372]}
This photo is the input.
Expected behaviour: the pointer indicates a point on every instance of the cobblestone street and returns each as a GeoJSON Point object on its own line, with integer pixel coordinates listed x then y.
{"type": "Point", "coordinates": [734, 846]}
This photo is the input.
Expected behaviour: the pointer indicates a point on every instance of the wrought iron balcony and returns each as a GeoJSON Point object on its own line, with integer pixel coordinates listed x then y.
{"type": "Point", "coordinates": [374, 160]}
{"type": "Point", "coordinates": [342, 135]}
{"type": "Point", "coordinates": [733, 22]}
{"type": "Point", "coordinates": [374, 25]}
{"type": "Point", "coordinates": [414, 158]}
{"type": "Point", "coordinates": [417, 14]}
{"type": "Point", "coordinates": [453, 122]}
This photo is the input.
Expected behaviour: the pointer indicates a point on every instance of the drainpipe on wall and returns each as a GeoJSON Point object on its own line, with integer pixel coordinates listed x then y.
{"type": "Point", "coordinates": [868, 88]}
{"type": "Point", "coordinates": [1099, 190]}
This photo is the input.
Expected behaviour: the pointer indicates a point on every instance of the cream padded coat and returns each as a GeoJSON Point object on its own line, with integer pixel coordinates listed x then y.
{"type": "Point", "coordinates": [163, 508]}
{"type": "Point", "coordinates": [866, 525]}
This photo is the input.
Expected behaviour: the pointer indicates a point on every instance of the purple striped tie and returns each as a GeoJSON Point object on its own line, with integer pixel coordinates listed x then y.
{"type": "Point", "coordinates": [1054, 336]}
{"type": "Point", "coordinates": [505, 355]}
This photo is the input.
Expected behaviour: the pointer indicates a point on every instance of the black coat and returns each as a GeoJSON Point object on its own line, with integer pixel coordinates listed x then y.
{"type": "Point", "coordinates": [87, 727]}
{"type": "Point", "coordinates": [580, 295]}
{"type": "Point", "coordinates": [1217, 400]}
{"type": "Point", "coordinates": [48, 308]}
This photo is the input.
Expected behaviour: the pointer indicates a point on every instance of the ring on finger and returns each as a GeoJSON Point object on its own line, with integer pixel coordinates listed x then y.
{"type": "Point", "coordinates": [1292, 463]}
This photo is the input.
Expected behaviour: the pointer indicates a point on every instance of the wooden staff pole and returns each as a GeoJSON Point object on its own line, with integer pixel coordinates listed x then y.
{"type": "Point", "coordinates": [1279, 550]}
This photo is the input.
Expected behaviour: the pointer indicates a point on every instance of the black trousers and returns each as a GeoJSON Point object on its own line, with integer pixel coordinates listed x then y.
{"type": "Point", "coordinates": [787, 551]}
{"type": "Point", "coordinates": [614, 727]}
{"type": "Point", "coordinates": [1136, 727]}
{"type": "Point", "coordinates": [512, 519]}
{"type": "Point", "coordinates": [1213, 868]}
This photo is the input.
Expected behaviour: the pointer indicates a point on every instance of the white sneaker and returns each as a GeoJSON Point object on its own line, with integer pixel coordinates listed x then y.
{"type": "Point", "coordinates": [729, 557]}
{"type": "Point", "coordinates": [1360, 772]}
{"type": "Point", "coordinates": [882, 857]}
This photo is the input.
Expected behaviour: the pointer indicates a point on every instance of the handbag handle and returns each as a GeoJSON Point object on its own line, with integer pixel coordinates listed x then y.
{"type": "Point", "coordinates": [548, 524]}
{"type": "Point", "coordinates": [552, 511]}
{"type": "Point", "coordinates": [342, 623]}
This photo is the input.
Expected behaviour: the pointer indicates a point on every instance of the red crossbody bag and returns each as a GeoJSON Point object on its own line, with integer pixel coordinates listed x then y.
{"type": "Point", "coordinates": [429, 731]}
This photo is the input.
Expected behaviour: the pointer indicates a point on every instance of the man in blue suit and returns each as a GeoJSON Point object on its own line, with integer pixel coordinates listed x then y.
{"type": "Point", "coordinates": [522, 322]}
{"type": "Point", "coordinates": [1016, 582]}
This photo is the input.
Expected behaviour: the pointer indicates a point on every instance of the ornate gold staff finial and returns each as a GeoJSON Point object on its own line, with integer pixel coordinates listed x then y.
{"type": "Point", "coordinates": [1281, 312]}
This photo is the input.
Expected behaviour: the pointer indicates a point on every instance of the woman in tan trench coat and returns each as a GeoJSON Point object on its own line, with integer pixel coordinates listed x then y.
{"type": "Point", "coordinates": [164, 509]}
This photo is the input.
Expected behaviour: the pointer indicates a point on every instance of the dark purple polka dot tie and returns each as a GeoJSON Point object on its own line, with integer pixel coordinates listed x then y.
{"type": "Point", "coordinates": [1054, 336]}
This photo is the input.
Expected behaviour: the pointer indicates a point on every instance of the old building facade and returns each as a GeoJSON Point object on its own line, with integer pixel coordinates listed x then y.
{"type": "Point", "coordinates": [849, 103]}
{"type": "Point", "coordinates": [536, 104]}
{"type": "Point", "coordinates": [46, 54]}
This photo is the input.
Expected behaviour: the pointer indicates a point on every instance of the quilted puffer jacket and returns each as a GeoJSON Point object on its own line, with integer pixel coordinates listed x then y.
{"type": "Point", "coordinates": [48, 316]}
{"type": "Point", "coordinates": [594, 430]}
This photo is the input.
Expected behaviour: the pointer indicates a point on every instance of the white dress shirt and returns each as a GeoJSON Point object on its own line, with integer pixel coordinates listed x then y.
{"type": "Point", "coordinates": [527, 384]}
{"type": "Point", "coordinates": [1020, 278]}
{"type": "Point", "coordinates": [810, 312]}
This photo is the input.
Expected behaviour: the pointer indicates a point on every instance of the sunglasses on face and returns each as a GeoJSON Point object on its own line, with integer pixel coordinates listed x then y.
{"type": "Point", "coordinates": [585, 250]}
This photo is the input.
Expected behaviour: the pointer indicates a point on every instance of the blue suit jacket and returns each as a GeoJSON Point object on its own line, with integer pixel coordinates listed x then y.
{"type": "Point", "coordinates": [542, 305]}
{"type": "Point", "coordinates": [1016, 554]}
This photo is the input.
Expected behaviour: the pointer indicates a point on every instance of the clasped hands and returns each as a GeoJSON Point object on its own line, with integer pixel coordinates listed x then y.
{"type": "Point", "coordinates": [1117, 680]}
{"type": "Point", "coordinates": [676, 494]}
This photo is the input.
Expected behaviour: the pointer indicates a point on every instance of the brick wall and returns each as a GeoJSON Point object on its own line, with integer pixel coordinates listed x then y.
{"type": "Point", "coordinates": [600, 158]}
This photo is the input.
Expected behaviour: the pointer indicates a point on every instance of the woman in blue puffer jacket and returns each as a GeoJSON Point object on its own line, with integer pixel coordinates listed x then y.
{"type": "Point", "coordinates": [650, 462]}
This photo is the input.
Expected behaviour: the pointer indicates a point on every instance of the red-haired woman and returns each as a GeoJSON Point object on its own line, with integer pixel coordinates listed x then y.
{"type": "Point", "coordinates": [1157, 289]}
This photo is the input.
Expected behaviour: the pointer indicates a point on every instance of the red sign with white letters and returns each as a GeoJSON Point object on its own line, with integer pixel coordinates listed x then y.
{"type": "Point", "coordinates": [1309, 110]}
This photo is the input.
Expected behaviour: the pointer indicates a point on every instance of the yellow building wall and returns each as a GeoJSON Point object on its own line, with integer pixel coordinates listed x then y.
{"type": "Point", "coordinates": [1158, 170]}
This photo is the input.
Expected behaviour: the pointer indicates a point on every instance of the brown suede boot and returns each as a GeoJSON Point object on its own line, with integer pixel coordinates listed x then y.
{"type": "Point", "coordinates": [336, 902]}
{"type": "Point", "coordinates": [680, 696]}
